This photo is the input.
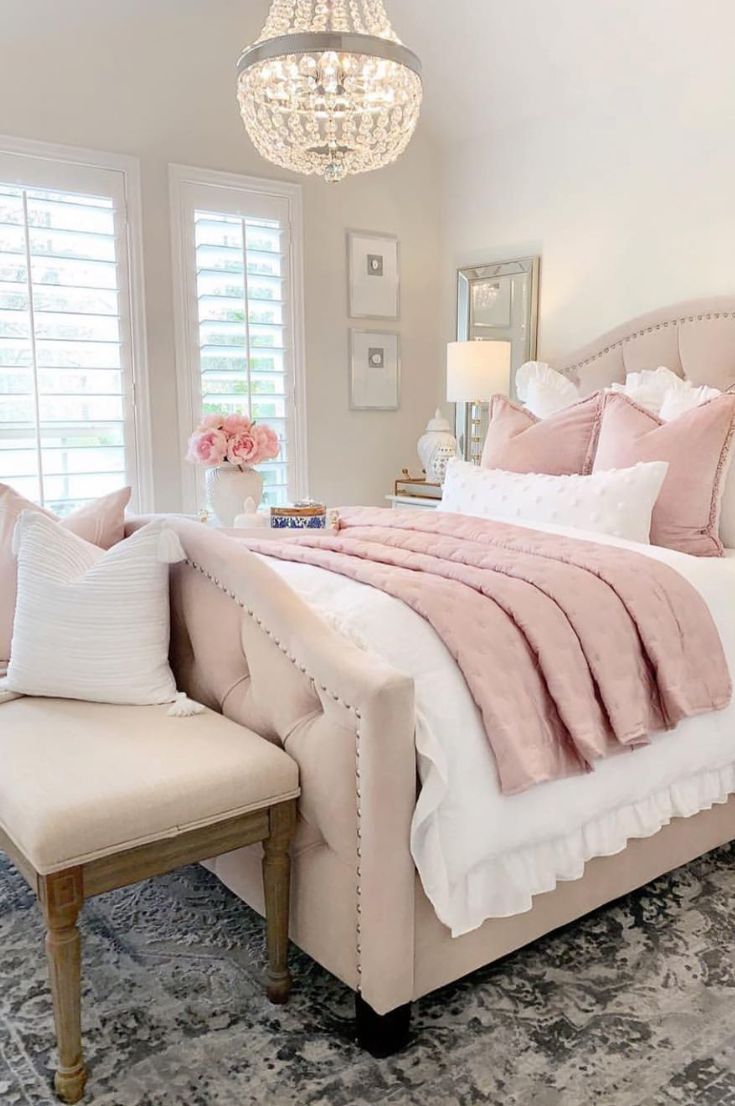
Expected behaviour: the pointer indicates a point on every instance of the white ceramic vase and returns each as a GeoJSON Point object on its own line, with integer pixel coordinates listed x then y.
{"type": "Point", "coordinates": [228, 486]}
{"type": "Point", "coordinates": [436, 446]}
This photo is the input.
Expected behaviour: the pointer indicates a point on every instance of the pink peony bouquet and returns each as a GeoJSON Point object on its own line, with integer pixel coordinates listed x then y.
{"type": "Point", "coordinates": [233, 439]}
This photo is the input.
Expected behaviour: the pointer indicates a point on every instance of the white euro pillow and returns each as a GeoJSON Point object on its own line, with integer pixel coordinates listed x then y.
{"type": "Point", "coordinates": [618, 502]}
{"type": "Point", "coordinates": [677, 401]}
{"type": "Point", "coordinates": [543, 390]}
{"type": "Point", "coordinates": [663, 392]}
{"type": "Point", "coordinates": [649, 386]}
{"type": "Point", "coordinates": [92, 624]}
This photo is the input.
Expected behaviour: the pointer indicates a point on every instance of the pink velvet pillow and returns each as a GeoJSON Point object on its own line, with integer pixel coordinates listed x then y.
{"type": "Point", "coordinates": [102, 523]}
{"type": "Point", "coordinates": [697, 448]}
{"type": "Point", "coordinates": [561, 445]}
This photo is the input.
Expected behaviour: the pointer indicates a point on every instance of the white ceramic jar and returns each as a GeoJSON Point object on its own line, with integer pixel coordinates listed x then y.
{"type": "Point", "coordinates": [435, 447]}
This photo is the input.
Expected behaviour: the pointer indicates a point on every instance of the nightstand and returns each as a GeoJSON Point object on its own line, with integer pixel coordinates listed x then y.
{"type": "Point", "coordinates": [413, 502]}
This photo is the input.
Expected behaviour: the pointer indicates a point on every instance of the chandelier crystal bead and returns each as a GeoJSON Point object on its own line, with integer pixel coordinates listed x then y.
{"type": "Point", "coordinates": [329, 88]}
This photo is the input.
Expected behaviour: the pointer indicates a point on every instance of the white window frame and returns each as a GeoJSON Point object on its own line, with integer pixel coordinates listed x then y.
{"type": "Point", "coordinates": [52, 162]}
{"type": "Point", "coordinates": [184, 181]}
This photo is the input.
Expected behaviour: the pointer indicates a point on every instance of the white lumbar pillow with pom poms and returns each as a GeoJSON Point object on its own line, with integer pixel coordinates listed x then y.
{"type": "Point", "coordinates": [92, 624]}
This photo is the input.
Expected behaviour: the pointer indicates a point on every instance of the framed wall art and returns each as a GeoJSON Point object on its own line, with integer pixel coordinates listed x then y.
{"type": "Point", "coordinates": [375, 370]}
{"type": "Point", "coordinates": [373, 275]}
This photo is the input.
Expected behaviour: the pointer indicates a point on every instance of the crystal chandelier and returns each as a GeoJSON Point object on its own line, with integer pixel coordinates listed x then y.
{"type": "Point", "coordinates": [328, 88]}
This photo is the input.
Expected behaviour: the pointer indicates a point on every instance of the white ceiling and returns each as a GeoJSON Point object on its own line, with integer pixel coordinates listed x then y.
{"type": "Point", "coordinates": [497, 63]}
{"type": "Point", "coordinates": [487, 63]}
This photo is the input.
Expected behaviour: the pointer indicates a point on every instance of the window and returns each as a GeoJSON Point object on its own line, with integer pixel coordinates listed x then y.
{"type": "Point", "coordinates": [67, 350]}
{"type": "Point", "coordinates": [237, 267]}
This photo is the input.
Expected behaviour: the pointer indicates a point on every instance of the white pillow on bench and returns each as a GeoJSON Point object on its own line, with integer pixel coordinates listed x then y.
{"type": "Point", "coordinates": [92, 624]}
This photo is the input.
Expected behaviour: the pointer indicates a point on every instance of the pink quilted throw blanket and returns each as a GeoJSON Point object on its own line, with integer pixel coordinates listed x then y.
{"type": "Point", "coordinates": [571, 650]}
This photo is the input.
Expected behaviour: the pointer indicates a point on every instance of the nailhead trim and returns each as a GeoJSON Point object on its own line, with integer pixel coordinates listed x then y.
{"type": "Point", "coordinates": [337, 699]}
{"type": "Point", "coordinates": [650, 330]}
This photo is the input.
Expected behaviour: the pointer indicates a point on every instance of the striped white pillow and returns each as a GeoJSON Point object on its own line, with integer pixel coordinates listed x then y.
{"type": "Point", "coordinates": [92, 624]}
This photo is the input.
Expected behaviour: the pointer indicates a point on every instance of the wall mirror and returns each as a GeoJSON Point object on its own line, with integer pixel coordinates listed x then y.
{"type": "Point", "coordinates": [497, 302]}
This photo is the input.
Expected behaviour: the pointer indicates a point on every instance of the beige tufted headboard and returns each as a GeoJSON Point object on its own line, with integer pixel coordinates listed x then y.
{"type": "Point", "coordinates": [695, 339]}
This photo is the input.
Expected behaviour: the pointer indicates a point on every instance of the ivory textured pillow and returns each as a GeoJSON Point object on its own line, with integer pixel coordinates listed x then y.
{"type": "Point", "coordinates": [619, 502]}
{"type": "Point", "coordinates": [697, 447]}
{"type": "Point", "coordinates": [562, 445]}
{"type": "Point", "coordinates": [91, 624]}
{"type": "Point", "coordinates": [101, 522]}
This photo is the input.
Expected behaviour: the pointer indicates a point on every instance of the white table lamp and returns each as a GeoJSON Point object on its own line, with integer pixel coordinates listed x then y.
{"type": "Point", "coordinates": [477, 371]}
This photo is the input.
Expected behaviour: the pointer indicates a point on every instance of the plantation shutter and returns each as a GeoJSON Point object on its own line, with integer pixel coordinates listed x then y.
{"type": "Point", "coordinates": [66, 385]}
{"type": "Point", "coordinates": [240, 304]}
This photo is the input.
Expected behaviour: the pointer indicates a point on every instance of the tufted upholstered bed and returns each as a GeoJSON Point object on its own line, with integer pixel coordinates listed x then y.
{"type": "Point", "coordinates": [246, 644]}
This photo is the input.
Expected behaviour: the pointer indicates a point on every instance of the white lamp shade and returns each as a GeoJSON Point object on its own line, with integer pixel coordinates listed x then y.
{"type": "Point", "coordinates": [476, 371]}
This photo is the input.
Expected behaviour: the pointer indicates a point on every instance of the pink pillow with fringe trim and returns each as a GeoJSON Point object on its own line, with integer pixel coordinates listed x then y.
{"type": "Point", "coordinates": [697, 447]}
{"type": "Point", "coordinates": [560, 445]}
{"type": "Point", "coordinates": [101, 523]}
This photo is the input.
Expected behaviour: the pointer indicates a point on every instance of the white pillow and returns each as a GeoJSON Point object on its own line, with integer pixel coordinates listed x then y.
{"type": "Point", "coordinates": [663, 392]}
{"type": "Point", "coordinates": [677, 401]}
{"type": "Point", "coordinates": [92, 624]}
{"type": "Point", "coordinates": [543, 390]}
{"type": "Point", "coordinates": [649, 386]}
{"type": "Point", "coordinates": [618, 502]}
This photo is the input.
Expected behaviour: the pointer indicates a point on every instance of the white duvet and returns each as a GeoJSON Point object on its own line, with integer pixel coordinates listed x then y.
{"type": "Point", "coordinates": [481, 854]}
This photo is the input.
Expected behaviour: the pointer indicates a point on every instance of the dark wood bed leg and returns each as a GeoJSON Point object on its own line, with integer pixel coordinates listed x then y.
{"type": "Point", "coordinates": [382, 1035]}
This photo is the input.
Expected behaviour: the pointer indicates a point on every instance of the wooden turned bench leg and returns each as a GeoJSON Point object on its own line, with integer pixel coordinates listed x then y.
{"type": "Point", "coordinates": [61, 896]}
{"type": "Point", "coordinates": [276, 886]}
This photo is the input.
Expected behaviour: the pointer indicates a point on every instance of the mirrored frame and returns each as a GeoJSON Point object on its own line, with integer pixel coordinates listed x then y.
{"type": "Point", "coordinates": [496, 302]}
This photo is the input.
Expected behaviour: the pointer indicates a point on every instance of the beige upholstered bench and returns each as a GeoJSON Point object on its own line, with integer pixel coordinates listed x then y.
{"type": "Point", "coordinates": [95, 797]}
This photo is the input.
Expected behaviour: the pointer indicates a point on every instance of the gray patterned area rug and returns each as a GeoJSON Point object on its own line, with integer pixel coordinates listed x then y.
{"type": "Point", "coordinates": [633, 1006]}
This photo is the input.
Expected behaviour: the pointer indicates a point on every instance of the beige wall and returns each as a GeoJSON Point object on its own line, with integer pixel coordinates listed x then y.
{"type": "Point", "coordinates": [630, 207]}
{"type": "Point", "coordinates": [156, 79]}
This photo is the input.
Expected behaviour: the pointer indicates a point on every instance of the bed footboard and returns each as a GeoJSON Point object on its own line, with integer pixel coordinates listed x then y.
{"type": "Point", "coordinates": [245, 644]}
